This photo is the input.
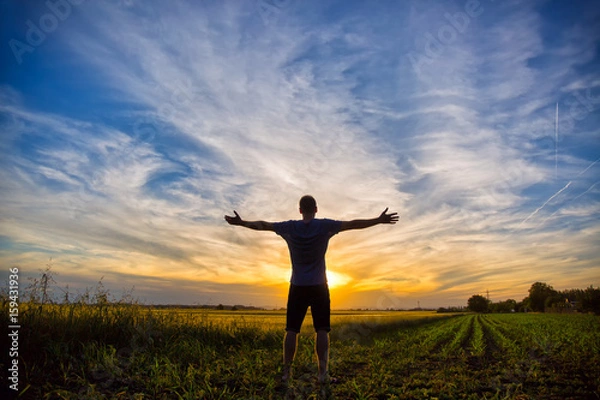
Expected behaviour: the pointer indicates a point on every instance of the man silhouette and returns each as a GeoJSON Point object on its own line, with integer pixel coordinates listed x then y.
{"type": "Point", "coordinates": [307, 240]}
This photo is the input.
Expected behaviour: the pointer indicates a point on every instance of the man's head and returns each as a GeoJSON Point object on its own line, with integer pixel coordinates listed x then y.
{"type": "Point", "coordinates": [308, 205]}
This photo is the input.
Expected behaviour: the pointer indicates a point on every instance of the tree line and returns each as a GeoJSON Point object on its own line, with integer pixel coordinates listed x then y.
{"type": "Point", "coordinates": [543, 298]}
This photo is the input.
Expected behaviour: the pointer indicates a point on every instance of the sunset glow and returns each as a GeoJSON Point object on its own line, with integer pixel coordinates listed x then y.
{"type": "Point", "coordinates": [336, 279]}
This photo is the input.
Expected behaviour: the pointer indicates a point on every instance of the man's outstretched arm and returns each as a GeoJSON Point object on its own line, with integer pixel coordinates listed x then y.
{"type": "Point", "coordinates": [384, 218]}
{"type": "Point", "coordinates": [256, 225]}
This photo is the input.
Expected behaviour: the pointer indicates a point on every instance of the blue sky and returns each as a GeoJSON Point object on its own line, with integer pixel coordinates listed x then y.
{"type": "Point", "coordinates": [130, 128]}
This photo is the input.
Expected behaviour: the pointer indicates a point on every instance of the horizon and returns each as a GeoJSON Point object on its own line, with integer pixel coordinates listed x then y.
{"type": "Point", "coordinates": [130, 129]}
{"type": "Point", "coordinates": [57, 295]}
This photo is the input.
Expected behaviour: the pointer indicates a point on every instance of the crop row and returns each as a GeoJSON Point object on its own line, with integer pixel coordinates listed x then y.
{"type": "Point", "coordinates": [479, 356]}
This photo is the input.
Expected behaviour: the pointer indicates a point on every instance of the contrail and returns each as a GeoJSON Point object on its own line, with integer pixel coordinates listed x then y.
{"type": "Point", "coordinates": [575, 198]}
{"type": "Point", "coordinates": [560, 191]}
{"type": "Point", "coordinates": [590, 166]}
{"type": "Point", "coordinates": [547, 201]}
{"type": "Point", "coordinates": [588, 189]}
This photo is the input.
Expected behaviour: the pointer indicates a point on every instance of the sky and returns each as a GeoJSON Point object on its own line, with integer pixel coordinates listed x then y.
{"type": "Point", "coordinates": [129, 129]}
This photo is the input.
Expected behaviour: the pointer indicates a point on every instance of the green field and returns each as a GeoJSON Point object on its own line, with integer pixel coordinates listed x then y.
{"type": "Point", "coordinates": [131, 352]}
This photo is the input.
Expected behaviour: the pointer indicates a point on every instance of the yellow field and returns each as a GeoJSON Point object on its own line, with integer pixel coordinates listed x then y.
{"type": "Point", "coordinates": [275, 319]}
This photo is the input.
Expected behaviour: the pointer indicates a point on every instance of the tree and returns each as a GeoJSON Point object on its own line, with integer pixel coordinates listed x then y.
{"type": "Point", "coordinates": [590, 301]}
{"type": "Point", "coordinates": [583, 300]}
{"type": "Point", "coordinates": [478, 303]}
{"type": "Point", "coordinates": [557, 302]}
{"type": "Point", "coordinates": [506, 306]}
{"type": "Point", "coordinates": [522, 305]}
{"type": "Point", "coordinates": [511, 305]}
{"type": "Point", "coordinates": [538, 293]}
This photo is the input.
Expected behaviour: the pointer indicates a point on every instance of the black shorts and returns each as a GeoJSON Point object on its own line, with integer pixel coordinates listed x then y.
{"type": "Point", "coordinates": [300, 298]}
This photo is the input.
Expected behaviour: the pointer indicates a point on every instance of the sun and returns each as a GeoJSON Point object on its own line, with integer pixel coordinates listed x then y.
{"type": "Point", "coordinates": [337, 279]}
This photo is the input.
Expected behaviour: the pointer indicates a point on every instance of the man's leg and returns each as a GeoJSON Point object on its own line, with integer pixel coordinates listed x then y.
{"type": "Point", "coordinates": [321, 313]}
{"type": "Point", "coordinates": [289, 351]}
{"type": "Point", "coordinates": [322, 348]}
{"type": "Point", "coordinates": [296, 311]}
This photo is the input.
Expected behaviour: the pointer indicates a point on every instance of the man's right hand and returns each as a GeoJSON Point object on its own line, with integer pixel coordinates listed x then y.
{"type": "Point", "coordinates": [237, 220]}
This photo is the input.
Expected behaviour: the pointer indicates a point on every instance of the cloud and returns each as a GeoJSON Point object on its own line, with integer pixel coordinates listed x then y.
{"type": "Point", "coordinates": [200, 109]}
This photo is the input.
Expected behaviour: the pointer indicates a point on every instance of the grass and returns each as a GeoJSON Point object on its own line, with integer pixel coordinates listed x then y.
{"type": "Point", "coordinates": [126, 351]}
